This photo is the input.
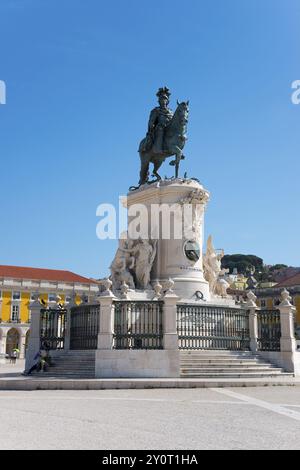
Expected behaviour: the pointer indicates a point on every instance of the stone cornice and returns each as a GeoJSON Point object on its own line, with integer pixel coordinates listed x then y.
{"type": "Point", "coordinates": [26, 285]}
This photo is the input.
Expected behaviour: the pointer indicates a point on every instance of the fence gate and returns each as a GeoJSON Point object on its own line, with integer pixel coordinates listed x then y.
{"type": "Point", "coordinates": [53, 325]}
{"type": "Point", "coordinates": [269, 330]}
{"type": "Point", "coordinates": [138, 325]}
{"type": "Point", "coordinates": [84, 327]}
{"type": "Point", "coordinates": [204, 327]}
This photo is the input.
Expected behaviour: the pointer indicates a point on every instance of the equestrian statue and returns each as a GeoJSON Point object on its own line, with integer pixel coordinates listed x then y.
{"type": "Point", "coordinates": [166, 136]}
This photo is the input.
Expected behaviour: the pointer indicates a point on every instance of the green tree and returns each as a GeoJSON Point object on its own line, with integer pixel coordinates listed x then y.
{"type": "Point", "coordinates": [243, 263]}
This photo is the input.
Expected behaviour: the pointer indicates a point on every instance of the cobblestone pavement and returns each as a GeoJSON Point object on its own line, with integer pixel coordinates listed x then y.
{"type": "Point", "coordinates": [237, 418]}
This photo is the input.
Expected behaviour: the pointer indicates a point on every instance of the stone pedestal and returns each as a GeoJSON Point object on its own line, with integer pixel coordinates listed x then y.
{"type": "Point", "coordinates": [253, 326]}
{"type": "Point", "coordinates": [172, 211]}
{"type": "Point", "coordinates": [35, 331]}
{"type": "Point", "coordinates": [106, 322]}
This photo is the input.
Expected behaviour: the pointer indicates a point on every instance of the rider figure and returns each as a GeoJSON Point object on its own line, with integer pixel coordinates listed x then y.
{"type": "Point", "coordinates": [159, 119]}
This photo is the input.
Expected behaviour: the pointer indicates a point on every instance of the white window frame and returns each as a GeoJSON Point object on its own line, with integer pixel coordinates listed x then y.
{"type": "Point", "coordinates": [15, 306]}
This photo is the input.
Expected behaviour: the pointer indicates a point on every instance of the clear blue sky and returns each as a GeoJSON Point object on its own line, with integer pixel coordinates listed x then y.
{"type": "Point", "coordinates": [81, 78]}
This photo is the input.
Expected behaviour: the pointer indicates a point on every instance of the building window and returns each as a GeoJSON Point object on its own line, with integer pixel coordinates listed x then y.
{"type": "Point", "coordinates": [15, 313]}
{"type": "Point", "coordinates": [16, 296]}
{"type": "Point", "coordinates": [276, 302]}
{"type": "Point", "coordinates": [263, 303]}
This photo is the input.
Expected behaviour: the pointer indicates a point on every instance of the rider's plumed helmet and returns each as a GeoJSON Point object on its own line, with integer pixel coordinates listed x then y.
{"type": "Point", "coordinates": [163, 92]}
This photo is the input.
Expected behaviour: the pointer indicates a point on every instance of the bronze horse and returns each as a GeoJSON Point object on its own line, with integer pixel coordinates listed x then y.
{"type": "Point", "coordinates": [174, 141]}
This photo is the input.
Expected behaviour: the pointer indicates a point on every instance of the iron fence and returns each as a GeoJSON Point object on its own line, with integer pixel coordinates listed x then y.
{"type": "Point", "coordinates": [84, 327]}
{"type": "Point", "coordinates": [53, 326]}
{"type": "Point", "coordinates": [269, 330]}
{"type": "Point", "coordinates": [138, 325]}
{"type": "Point", "coordinates": [205, 327]}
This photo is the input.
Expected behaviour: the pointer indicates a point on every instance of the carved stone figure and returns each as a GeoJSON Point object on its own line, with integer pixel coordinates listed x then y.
{"type": "Point", "coordinates": [132, 264]}
{"type": "Point", "coordinates": [157, 287]}
{"type": "Point", "coordinates": [166, 136]}
{"type": "Point", "coordinates": [144, 253]}
{"type": "Point", "coordinates": [222, 285]}
{"type": "Point", "coordinates": [196, 198]}
{"type": "Point", "coordinates": [122, 263]}
{"type": "Point", "coordinates": [168, 286]}
{"type": "Point", "coordinates": [106, 285]}
{"type": "Point", "coordinates": [124, 290]}
{"type": "Point", "coordinates": [213, 273]}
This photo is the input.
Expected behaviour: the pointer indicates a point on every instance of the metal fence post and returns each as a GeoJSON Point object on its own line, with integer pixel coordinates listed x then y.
{"type": "Point", "coordinates": [35, 333]}
{"type": "Point", "coordinates": [70, 305]}
{"type": "Point", "coordinates": [287, 341]}
{"type": "Point", "coordinates": [253, 327]}
{"type": "Point", "coordinates": [170, 317]}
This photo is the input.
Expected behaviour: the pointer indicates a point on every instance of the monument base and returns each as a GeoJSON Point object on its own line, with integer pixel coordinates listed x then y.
{"type": "Point", "coordinates": [173, 216]}
{"type": "Point", "coordinates": [139, 363]}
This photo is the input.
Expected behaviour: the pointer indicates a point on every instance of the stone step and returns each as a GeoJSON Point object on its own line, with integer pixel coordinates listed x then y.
{"type": "Point", "coordinates": [81, 356]}
{"type": "Point", "coordinates": [71, 368]}
{"type": "Point", "coordinates": [239, 370]}
{"type": "Point", "coordinates": [215, 351]}
{"type": "Point", "coordinates": [217, 354]}
{"type": "Point", "coordinates": [74, 377]}
{"type": "Point", "coordinates": [73, 364]}
{"type": "Point", "coordinates": [74, 356]}
{"type": "Point", "coordinates": [66, 361]}
{"type": "Point", "coordinates": [39, 382]}
{"type": "Point", "coordinates": [66, 372]}
{"type": "Point", "coordinates": [73, 359]}
{"type": "Point", "coordinates": [228, 366]}
{"type": "Point", "coordinates": [243, 375]}
{"type": "Point", "coordinates": [221, 358]}
{"type": "Point", "coordinates": [224, 363]}
{"type": "Point", "coordinates": [86, 363]}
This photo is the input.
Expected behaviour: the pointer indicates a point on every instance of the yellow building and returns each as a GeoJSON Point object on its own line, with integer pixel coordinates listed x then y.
{"type": "Point", "coordinates": [238, 282]}
{"type": "Point", "coordinates": [19, 286]}
{"type": "Point", "coordinates": [269, 298]}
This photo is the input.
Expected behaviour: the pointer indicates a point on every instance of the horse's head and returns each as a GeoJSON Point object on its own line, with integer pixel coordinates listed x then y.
{"type": "Point", "coordinates": [183, 110]}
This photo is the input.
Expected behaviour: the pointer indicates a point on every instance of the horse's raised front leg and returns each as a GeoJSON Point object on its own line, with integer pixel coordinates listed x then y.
{"type": "Point", "coordinates": [176, 162]}
{"type": "Point", "coordinates": [144, 173]}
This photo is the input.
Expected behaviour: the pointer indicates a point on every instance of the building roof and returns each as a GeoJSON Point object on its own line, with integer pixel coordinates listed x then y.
{"type": "Point", "coordinates": [290, 281]}
{"type": "Point", "coordinates": [39, 274]}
